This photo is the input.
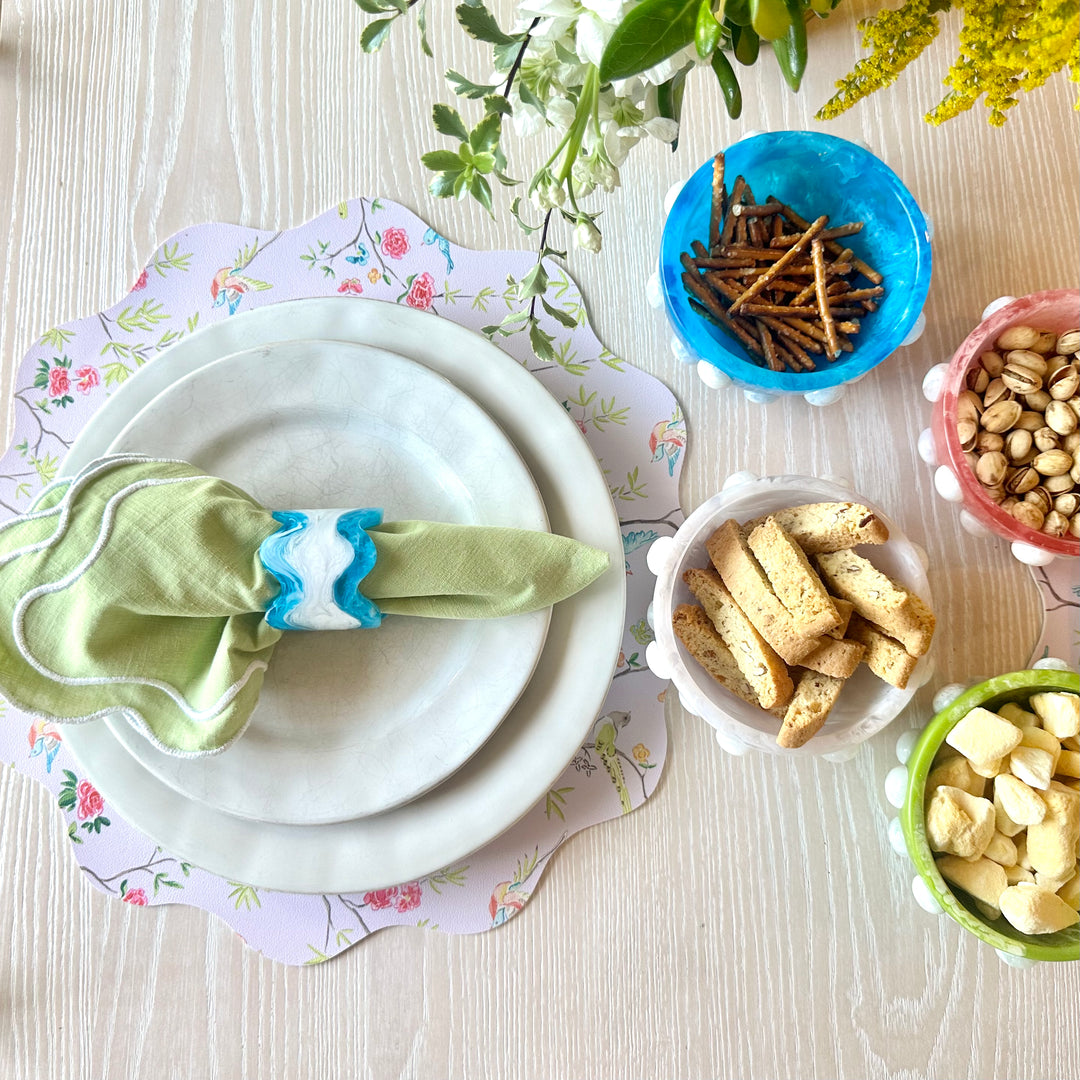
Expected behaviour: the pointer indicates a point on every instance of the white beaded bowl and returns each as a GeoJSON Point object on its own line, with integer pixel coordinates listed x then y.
{"type": "Point", "coordinates": [866, 704]}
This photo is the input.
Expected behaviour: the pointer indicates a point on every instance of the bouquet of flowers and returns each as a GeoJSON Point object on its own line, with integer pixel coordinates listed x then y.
{"type": "Point", "coordinates": [600, 75]}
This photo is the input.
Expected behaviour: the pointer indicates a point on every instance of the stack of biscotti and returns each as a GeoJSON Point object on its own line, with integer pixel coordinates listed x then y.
{"type": "Point", "coordinates": [788, 612]}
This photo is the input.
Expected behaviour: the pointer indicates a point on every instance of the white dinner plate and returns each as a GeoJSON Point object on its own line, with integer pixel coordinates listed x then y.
{"type": "Point", "coordinates": [527, 752]}
{"type": "Point", "coordinates": [331, 425]}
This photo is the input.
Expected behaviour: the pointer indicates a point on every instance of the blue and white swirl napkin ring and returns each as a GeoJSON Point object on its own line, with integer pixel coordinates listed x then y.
{"type": "Point", "coordinates": [319, 558]}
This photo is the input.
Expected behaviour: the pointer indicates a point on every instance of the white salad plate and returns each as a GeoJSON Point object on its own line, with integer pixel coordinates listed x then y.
{"type": "Point", "coordinates": [332, 425]}
{"type": "Point", "coordinates": [540, 734]}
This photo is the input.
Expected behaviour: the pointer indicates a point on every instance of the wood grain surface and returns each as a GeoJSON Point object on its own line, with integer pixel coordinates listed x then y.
{"type": "Point", "coordinates": [750, 921]}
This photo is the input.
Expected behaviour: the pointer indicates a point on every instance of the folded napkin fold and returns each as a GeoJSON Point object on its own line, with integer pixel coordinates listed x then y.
{"type": "Point", "coordinates": [146, 587]}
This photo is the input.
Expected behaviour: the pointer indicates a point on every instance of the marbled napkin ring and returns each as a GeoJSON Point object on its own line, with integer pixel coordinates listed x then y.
{"type": "Point", "coordinates": [319, 558]}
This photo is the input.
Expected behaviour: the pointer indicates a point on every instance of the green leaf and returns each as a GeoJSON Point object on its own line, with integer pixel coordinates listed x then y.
{"type": "Point", "coordinates": [769, 18]}
{"type": "Point", "coordinates": [421, 25]}
{"type": "Point", "coordinates": [669, 99]}
{"type": "Point", "coordinates": [442, 187]}
{"type": "Point", "coordinates": [467, 88]}
{"type": "Point", "coordinates": [534, 283]}
{"type": "Point", "coordinates": [479, 23]}
{"type": "Point", "coordinates": [790, 49]}
{"type": "Point", "coordinates": [480, 190]}
{"type": "Point", "coordinates": [541, 343]}
{"type": "Point", "coordinates": [496, 103]}
{"type": "Point", "coordinates": [442, 161]}
{"type": "Point", "coordinates": [448, 121]}
{"type": "Point", "coordinates": [729, 84]}
{"type": "Point", "coordinates": [706, 31]}
{"type": "Point", "coordinates": [372, 7]}
{"type": "Point", "coordinates": [745, 44]}
{"type": "Point", "coordinates": [557, 313]}
{"type": "Point", "coordinates": [505, 55]}
{"type": "Point", "coordinates": [651, 32]}
{"type": "Point", "coordinates": [485, 136]}
{"type": "Point", "coordinates": [375, 34]}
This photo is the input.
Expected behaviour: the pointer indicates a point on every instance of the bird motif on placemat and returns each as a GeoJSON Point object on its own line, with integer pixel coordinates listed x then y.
{"type": "Point", "coordinates": [667, 440]}
{"type": "Point", "coordinates": [432, 237]}
{"type": "Point", "coordinates": [230, 285]}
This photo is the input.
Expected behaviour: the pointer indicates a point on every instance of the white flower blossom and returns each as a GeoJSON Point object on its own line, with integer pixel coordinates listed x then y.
{"type": "Point", "coordinates": [587, 235]}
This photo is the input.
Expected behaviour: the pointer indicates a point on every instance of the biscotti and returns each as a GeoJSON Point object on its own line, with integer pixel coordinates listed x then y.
{"type": "Point", "coordinates": [836, 658]}
{"type": "Point", "coordinates": [757, 661]}
{"type": "Point", "coordinates": [829, 526]}
{"type": "Point", "coordinates": [747, 583]}
{"type": "Point", "coordinates": [699, 637]}
{"type": "Point", "coordinates": [793, 579]}
{"type": "Point", "coordinates": [845, 609]}
{"type": "Point", "coordinates": [886, 658]}
{"type": "Point", "coordinates": [815, 695]}
{"type": "Point", "coordinates": [901, 614]}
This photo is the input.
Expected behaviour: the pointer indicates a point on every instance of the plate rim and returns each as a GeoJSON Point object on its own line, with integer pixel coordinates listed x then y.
{"type": "Point", "coordinates": [363, 854]}
{"type": "Point", "coordinates": [162, 763]}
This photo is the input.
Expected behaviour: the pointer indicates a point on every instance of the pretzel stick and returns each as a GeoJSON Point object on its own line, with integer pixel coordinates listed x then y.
{"type": "Point", "coordinates": [719, 196]}
{"type": "Point", "coordinates": [796, 358]}
{"type": "Point", "coordinates": [787, 239]}
{"type": "Point", "coordinates": [833, 247]}
{"type": "Point", "coordinates": [753, 210]}
{"type": "Point", "coordinates": [787, 259]}
{"type": "Point", "coordinates": [709, 308]}
{"type": "Point", "coordinates": [864, 294]}
{"type": "Point", "coordinates": [729, 222]}
{"type": "Point", "coordinates": [789, 333]}
{"type": "Point", "coordinates": [838, 267]}
{"type": "Point", "coordinates": [771, 359]}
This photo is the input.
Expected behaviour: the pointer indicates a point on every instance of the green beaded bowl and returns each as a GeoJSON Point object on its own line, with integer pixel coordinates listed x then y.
{"type": "Point", "coordinates": [1017, 686]}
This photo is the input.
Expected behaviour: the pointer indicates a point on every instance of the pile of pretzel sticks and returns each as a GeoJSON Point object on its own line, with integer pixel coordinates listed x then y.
{"type": "Point", "coordinates": [785, 287]}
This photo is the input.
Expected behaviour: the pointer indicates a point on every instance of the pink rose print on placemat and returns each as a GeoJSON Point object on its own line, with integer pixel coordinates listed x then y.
{"type": "Point", "coordinates": [395, 243]}
{"type": "Point", "coordinates": [421, 292]}
{"type": "Point", "coordinates": [140, 282]}
{"type": "Point", "coordinates": [408, 896]}
{"type": "Point", "coordinates": [90, 801]}
{"type": "Point", "coordinates": [399, 897]}
{"type": "Point", "coordinates": [88, 377]}
{"type": "Point", "coordinates": [380, 898]}
{"type": "Point", "coordinates": [59, 383]}
{"type": "Point", "coordinates": [137, 897]}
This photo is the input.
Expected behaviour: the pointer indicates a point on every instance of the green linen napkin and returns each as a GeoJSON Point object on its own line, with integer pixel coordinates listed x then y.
{"type": "Point", "coordinates": [138, 587]}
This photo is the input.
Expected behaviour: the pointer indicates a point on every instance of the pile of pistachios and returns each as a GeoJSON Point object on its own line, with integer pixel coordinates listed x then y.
{"type": "Point", "coordinates": [1017, 423]}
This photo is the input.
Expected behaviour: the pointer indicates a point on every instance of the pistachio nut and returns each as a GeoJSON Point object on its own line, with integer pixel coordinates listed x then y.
{"type": "Point", "coordinates": [1053, 363]}
{"type": "Point", "coordinates": [1045, 345]}
{"type": "Point", "coordinates": [1026, 358]}
{"type": "Point", "coordinates": [1055, 524]}
{"type": "Point", "coordinates": [996, 493]}
{"type": "Point", "coordinates": [1008, 503]}
{"type": "Point", "coordinates": [1069, 342]}
{"type": "Point", "coordinates": [1037, 401]}
{"type": "Point", "coordinates": [1017, 337]}
{"type": "Point", "coordinates": [1021, 480]}
{"type": "Point", "coordinates": [1067, 503]}
{"type": "Point", "coordinates": [1030, 420]}
{"type": "Point", "coordinates": [1056, 485]}
{"type": "Point", "coordinates": [1046, 439]}
{"type": "Point", "coordinates": [1074, 404]}
{"type": "Point", "coordinates": [1064, 382]}
{"type": "Point", "coordinates": [967, 432]}
{"type": "Point", "coordinates": [1041, 498]}
{"type": "Point", "coordinates": [969, 405]}
{"type": "Point", "coordinates": [1017, 444]}
{"type": "Point", "coordinates": [990, 469]}
{"type": "Point", "coordinates": [1074, 526]}
{"type": "Point", "coordinates": [1002, 416]}
{"type": "Point", "coordinates": [1052, 463]}
{"type": "Point", "coordinates": [1028, 514]}
{"type": "Point", "coordinates": [977, 379]}
{"type": "Point", "coordinates": [993, 363]}
{"type": "Point", "coordinates": [1060, 418]}
{"type": "Point", "coordinates": [986, 441]}
{"type": "Point", "coordinates": [996, 391]}
{"type": "Point", "coordinates": [1020, 379]}
{"type": "Point", "coordinates": [1074, 472]}
{"type": "Point", "coordinates": [1071, 444]}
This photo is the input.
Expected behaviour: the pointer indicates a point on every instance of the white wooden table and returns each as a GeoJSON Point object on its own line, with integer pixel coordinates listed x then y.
{"type": "Point", "coordinates": [750, 920]}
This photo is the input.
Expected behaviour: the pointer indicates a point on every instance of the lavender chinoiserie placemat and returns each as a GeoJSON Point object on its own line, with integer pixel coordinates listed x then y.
{"type": "Point", "coordinates": [380, 250]}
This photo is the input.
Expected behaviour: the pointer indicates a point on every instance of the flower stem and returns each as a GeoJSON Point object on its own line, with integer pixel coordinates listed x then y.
{"type": "Point", "coordinates": [540, 256]}
{"type": "Point", "coordinates": [588, 101]}
{"type": "Point", "coordinates": [520, 56]}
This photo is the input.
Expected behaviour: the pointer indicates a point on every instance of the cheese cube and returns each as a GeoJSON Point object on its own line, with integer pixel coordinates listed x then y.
{"type": "Point", "coordinates": [984, 880]}
{"type": "Point", "coordinates": [983, 737]}
{"type": "Point", "coordinates": [1032, 765]}
{"type": "Point", "coordinates": [1034, 910]}
{"type": "Point", "coordinates": [1059, 713]}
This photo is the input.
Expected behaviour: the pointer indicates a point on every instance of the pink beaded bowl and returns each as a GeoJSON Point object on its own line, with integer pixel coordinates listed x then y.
{"type": "Point", "coordinates": [1055, 310]}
